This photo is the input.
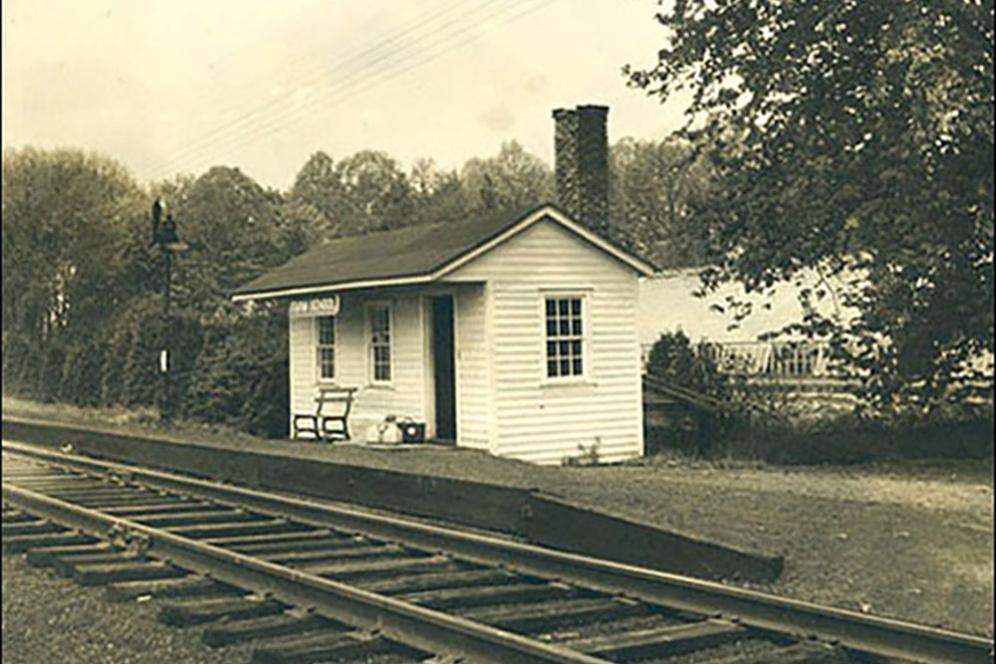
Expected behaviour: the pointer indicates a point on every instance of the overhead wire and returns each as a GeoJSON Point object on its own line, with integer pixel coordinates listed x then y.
{"type": "Point", "coordinates": [374, 71]}
{"type": "Point", "coordinates": [276, 101]}
{"type": "Point", "coordinates": [281, 123]}
{"type": "Point", "coordinates": [319, 72]}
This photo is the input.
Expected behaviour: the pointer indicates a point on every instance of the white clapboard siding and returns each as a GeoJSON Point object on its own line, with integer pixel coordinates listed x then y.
{"type": "Point", "coordinates": [532, 419]}
{"type": "Point", "coordinates": [473, 366]}
{"type": "Point", "coordinates": [302, 356]}
{"type": "Point", "coordinates": [403, 397]}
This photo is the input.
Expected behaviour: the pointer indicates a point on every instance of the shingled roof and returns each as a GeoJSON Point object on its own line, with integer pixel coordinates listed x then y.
{"type": "Point", "coordinates": [416, 254]}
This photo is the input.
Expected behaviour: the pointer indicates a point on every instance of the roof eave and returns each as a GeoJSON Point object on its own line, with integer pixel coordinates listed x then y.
{"type": "Point", "coordinates": [332, 288]}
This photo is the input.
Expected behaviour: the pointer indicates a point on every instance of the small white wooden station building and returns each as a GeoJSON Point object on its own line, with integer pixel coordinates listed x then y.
{"type": "Point", "coordinates": [515, 334]}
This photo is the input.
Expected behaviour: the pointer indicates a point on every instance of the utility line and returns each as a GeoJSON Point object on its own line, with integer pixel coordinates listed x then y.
{"type": "Point", "coordinates": [282, 122]}
{"type": "Point", "coordinates": [243, 126]}
{"type": "Point", "coordinates": [248, 117]}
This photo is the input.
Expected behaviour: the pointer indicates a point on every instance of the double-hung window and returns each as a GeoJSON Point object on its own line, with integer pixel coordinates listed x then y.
{"type": "Point", "coordinates": [565, 336]}
{"type": "Point", "coordinates": [380, 343]}
{"type": "Point", "coordinates": [325, 356]}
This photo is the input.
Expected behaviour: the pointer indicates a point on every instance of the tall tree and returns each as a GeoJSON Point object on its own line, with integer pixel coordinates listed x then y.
{"type": "Point", "coordinates": [437, 196]}
{"type": "Point", "coordinates": [65, 217]}
{"type": "Point", "coordinates": [236, 230]}
{"type": "Point", "coordinates": [864, 147]}
{"type": "Point", "coordinates": [316, 191]}
{"type": "Point", "coordinates": [654, 185]}
{"type": "Point", "coordinates": [514, 178]}
{"type": "Point", "coordinates": [375, 196]}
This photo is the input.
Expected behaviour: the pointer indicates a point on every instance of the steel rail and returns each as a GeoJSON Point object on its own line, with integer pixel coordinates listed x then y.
{"type": "Point", "coordinates": [875, 635]}
{"type": "Point", "coordinates": [415, 626]}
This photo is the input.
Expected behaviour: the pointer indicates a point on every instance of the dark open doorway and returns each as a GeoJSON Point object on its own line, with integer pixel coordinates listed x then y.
{"type": "Point", "coordinates": [443, 369]}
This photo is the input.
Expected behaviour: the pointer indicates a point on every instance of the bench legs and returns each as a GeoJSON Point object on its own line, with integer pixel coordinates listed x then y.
{"type": "Point", "coordinates": [312, 428]}
{"type": "Point", "coordinates": [342, 430]}
{"type": "Point", "coordinates": [323, 430]}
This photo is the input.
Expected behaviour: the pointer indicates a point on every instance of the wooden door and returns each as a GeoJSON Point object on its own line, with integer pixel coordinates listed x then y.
{"type": "Point", "coordinates": [443, 367]}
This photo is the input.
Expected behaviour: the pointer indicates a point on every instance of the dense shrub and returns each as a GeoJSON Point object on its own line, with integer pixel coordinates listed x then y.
{"type": "Point", "coordinates": [674, 360]}
{"type": "Point", "coordinates": [240, 377]}
{"type": "Point", "coordinates": [965, 432]}
{"type": "Point", "coordinates": [81, 373]}
{"type": "Point", "coordinates": [129, 374]}
{"type": "Point", "coordinates": [690, 427]}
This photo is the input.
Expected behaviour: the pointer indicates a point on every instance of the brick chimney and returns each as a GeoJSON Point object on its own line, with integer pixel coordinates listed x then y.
{"type": "Point", "coordinates": [581, 153]}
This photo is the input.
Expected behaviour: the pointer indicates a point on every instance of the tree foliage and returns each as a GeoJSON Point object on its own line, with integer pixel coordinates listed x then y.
{"type": "Point", "coordinates": [654, 186]}
{"type": "Point", "coordinates": [855, 138]}
{"type": "Point", "coordinates": [64, 217]}
{"type": "Point", "coordinates": [675, 360]}
{"type": "Point", "coordinates": [63, 213]}
{"type": "Point", "coordinates": [512, 179]}
{"type": "Point", "coordinates": [236, 230]}
{"type": "Point", "coordinates": [240, 377]}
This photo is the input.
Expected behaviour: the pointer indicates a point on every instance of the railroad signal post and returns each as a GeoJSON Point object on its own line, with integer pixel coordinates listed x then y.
{"type": "Point", "coordinates": [165, 235]}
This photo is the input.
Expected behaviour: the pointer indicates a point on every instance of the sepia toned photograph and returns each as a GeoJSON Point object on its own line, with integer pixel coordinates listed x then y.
{"type": "Point", "coordinates": [498, 331]}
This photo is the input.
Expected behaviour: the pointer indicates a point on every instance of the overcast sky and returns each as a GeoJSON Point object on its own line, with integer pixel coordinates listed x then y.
{"type": "Point", "coordinates": [169, 86]}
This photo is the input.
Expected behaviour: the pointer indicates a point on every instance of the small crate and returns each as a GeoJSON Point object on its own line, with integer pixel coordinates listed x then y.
{"type": "Point", "coordinates": [412, 432]}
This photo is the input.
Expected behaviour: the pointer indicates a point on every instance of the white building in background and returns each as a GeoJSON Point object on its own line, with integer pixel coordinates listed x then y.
{"type": "Point", "coordinates": [668, 303]}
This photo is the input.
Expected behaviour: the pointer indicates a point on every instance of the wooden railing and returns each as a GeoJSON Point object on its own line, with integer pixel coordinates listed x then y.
{"type": "Point", "coordinates": [787, 360]}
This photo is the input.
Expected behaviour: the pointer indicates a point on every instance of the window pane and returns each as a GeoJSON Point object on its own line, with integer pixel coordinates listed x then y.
{"type": "Point", "coordinates": [382, 372]}
{"type": "Point", "coordinates": [326, 362]}
{"type": "Point", "coordinates": [564, 333]}
{"type": "Point", "coordinates": [379, 320]}
{"type": "Point", "coordinates": [326, 330]}
{"type": "Point", "coordinates": [380, 343]}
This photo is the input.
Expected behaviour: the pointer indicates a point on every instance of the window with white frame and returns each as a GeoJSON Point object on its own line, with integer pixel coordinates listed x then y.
{"type": "Point", "coordinates": [565, 330]}
{"type": "Point", "coordinates": [380, 343]}
{"type": "Point", "coordinates": [325, 354]}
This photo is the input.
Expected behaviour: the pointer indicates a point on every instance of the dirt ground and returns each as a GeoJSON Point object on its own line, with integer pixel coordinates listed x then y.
{"type": "Point", "coordinates": [48, 618]}
{"type": "Point", "coordinates": [908, 540]}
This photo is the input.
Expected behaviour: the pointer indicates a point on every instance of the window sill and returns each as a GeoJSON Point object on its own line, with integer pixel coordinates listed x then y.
{"type": "Point", "coordinates": [567, 384]}
{"type": "Point", "coordinates": [380, 386]}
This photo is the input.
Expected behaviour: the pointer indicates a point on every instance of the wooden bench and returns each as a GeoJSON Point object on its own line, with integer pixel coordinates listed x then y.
{"type": "Point", "coordinates": [340, 399]}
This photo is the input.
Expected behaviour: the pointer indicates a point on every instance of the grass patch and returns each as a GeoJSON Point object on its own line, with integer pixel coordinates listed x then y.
{"type": "Point", "coordinates": [838, 439]}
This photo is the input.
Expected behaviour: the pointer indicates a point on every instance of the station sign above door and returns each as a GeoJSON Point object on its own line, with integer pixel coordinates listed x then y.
{"type": "Point", "coordinates": [319, 306]}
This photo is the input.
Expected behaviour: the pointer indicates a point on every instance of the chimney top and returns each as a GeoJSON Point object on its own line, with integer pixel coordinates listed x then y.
{"type": "Point", "coordinates": [582, 163]}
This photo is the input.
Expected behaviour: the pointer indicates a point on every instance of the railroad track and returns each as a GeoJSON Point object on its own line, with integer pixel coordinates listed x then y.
{"type": "Point", "coordinates": [309, 582]}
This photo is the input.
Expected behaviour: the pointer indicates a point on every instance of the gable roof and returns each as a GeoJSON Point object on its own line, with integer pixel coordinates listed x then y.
{"type": "Point", "coordinates": [412, 255]}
